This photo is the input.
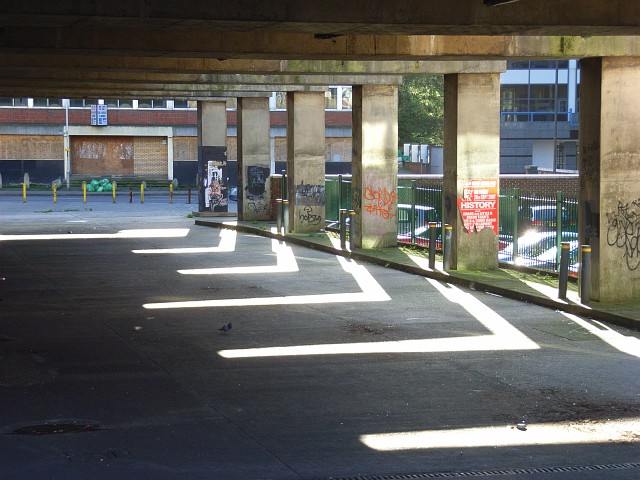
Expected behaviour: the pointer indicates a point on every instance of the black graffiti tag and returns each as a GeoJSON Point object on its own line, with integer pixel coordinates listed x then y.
{"type": "Point", "coordinates": [307, 216]}
{"type": "Point", "coordinates": [624, 231]}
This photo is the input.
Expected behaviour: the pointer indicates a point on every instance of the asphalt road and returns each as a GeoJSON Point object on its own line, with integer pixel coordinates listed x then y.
{"type": "Point", "coordinates": [112, 364]}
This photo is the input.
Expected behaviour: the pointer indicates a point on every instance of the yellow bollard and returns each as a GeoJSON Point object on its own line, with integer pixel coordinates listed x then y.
{"type": "Point", "coordinates": [171, 193]}
{"type": "Point", "coordinates": [142, 192]}
{"type": "Point", "coordinates": [55, 191]}
{"type": "Point", "coordinates": [24, 193]}
{"type": "Point", "coordinates": [84, 192]}
{"type": "Point", "coordinates": [113, 191]}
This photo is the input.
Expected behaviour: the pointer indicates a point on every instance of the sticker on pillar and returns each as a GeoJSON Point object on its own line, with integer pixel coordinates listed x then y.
{"type": "Point", "coordinates": [479, 205]}
{"type": "Point", "coordinates": [212, 188]}
{"type": "Point", "coordinates": [256, 189]}
{"type": "Point", "coordinates": [380, 202]}
{"type": "Point", "coordinates": [215, 189]}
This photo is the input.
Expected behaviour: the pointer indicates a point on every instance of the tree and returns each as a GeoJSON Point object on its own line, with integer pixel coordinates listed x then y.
{"type": "Point", "coordinates": [421, 110]}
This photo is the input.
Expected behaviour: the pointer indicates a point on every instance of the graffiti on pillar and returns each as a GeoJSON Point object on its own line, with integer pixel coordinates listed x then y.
{"type": "Point", "coordinates": [256, 201]}
{"type": "Point", "coordinates": [311, 195]}
{"type": "Point", "coordinates": [590, 161]}
{"type": "Point", "coordinates": [307, 216]}
{"type": "Point", "coordinates": [380, 201]}
{"type": "Point", "coordinates": [624, 231]}
{"type": "Point", "coordinates": [256, 181]}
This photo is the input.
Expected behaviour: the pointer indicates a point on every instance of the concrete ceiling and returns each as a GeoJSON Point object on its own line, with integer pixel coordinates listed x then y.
{"type": "Point", "coordinates": [193, 49]}
{"type": "Point", "coordinates": [331, 17]}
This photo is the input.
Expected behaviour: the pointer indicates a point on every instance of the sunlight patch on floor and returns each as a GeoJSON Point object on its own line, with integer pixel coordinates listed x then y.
{"type": "Point", "coordinates": [227, 244]}
{"type": "Point", "coordinates": [562, 433]}
{"type": "Point", "coordinates": [142, 233]}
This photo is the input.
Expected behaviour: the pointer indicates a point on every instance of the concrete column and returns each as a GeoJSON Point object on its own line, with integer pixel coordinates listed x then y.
{"type": "Point", "coordinates": [305, 161]}
{"type": "Point", "coordinates": [212, 156]}
{"type": "Point", "coordinates": [609, 164]}
{"type": "Point", "coordinates": [375, 164]}
{"type": "Point", "coordinates": [254, 159]}
{"type": "Point", "coordinates": [471, 162]}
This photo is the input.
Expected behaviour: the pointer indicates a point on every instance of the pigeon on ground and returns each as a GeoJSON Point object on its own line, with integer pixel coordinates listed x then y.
{"type": "Point", "coordinates": [225, 328]}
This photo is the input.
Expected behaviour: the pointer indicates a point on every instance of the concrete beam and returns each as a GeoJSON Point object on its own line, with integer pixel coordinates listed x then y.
{"type": "Point", "coordinates": [200, 66]}
{"type": "Point", "coordinates": [53, 63]}
{"type": "Point", "coordinates": [92, 92]}
{"type": "Point", "coordinates": [409, 17]}
{"type": "Point", "coordinates": [300, 46]}
{"type": "Point", "coordinates": [258, 82]}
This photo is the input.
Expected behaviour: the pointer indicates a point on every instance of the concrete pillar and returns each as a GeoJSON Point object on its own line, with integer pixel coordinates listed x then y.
{"type": "Point", "coordinates": [375, 164]}
{"type": "Point", "coordinates": [254, 159]}
{"type": "Point", "coordinates": [305, 161]}
{"type": "Point", "coordinates": [212, 156]}
{"type": "Point", "coordinates": [609, 164]}
{"type": "Point", "coordinates": [472, 168]}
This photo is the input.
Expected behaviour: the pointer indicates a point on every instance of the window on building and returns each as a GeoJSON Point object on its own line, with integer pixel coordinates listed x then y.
{"type": "Point", "coordinates": [331, 98]}
{"type": "Point", "coordinates": [6, 102]}
{"type": "Point", "coordinates": [40, 102]}
{"type": "Point", "coordinates": [79, 102]}
{"type": "Point", "coordinates": [560, 156]}
{"type": "Point", "coordinates": [346, 98]}
{"type": "Point", "coordinates": [514, 98]}
{"type": "Point", "coordinates": [180, 104]}
{"type": "Point", "coordinates": [159, 103]}
{"type": "Point", "coordinates": [517, 65]}
{"type": "Point", "coordinates": [281, 100]}
{"type": "Point", "coordinates": [145, 103]}
{"type": "Point", "coordinates": [20, 102]}
{"type": "Point", "coordinates": [55, 102]}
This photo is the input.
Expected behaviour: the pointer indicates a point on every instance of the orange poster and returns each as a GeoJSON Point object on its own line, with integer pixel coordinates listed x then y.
{"type": "Point", "coordinates": [479, 205]}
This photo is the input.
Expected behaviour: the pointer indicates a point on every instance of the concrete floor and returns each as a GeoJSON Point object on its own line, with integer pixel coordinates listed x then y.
{"type": "Point", "coordinates": [112, 364]}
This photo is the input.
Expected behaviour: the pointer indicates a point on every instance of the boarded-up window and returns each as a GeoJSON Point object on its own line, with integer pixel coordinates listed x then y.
{"type": "Point", "coordinates": [102, 155]}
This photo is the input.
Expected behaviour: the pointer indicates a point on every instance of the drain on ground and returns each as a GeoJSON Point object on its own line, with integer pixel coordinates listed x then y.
{"type": "Point", "coordinates": [56, 428]}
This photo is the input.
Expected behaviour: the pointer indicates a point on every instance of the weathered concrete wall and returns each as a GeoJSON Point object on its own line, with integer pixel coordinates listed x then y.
{"type": "Point", "coordinates": [305, 161]}
{"type": "Point", "coordinates": [619, 278]}
{"type": "Point", "coordinates": [472, 152]}
{"type": "Point", "coordinates": [253, 159]}
{"type": "Point", "coordinates": [375, 164]}
{"type": "Point", "coordinates": [589, 164]}
{"type": "Point", "coordinates": [212, 123]}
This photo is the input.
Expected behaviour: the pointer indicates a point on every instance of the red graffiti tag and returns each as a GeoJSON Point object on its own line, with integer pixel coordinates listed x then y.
{"type": "Point", "coordinates": [380, 202]}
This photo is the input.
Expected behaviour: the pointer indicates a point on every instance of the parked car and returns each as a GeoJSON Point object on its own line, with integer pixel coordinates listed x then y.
{"type": "Point", "coordinates": [542, 218]}
{"type": "Point", "coordinates": [539, 250]}
{"type": "Point", "coordinates": [233, 194]}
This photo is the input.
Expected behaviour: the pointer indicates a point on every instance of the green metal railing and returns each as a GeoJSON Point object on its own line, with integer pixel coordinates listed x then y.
{"type": "Point", "coordinates": [337, 195]}
{"type": "Point", "coordinates": [419, 204]}
{"type": "Point", "coordinates": [531, 229]}
{"type": "Point", "coordinates": [531, 226]}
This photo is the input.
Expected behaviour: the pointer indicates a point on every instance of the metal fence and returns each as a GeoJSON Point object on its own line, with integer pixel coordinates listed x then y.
{"type": "Point", "coordinates": [531, 229]}
{"type": "Point", "coordinates": [418, 205]}
{"type": "Point", "coordinates": [531, 226]}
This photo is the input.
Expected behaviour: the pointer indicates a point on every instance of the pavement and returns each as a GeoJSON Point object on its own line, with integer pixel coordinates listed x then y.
{"type": "Point", "coordinates": [358, 365]}
{"type": "Point", "coordinates": [519, 284]}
